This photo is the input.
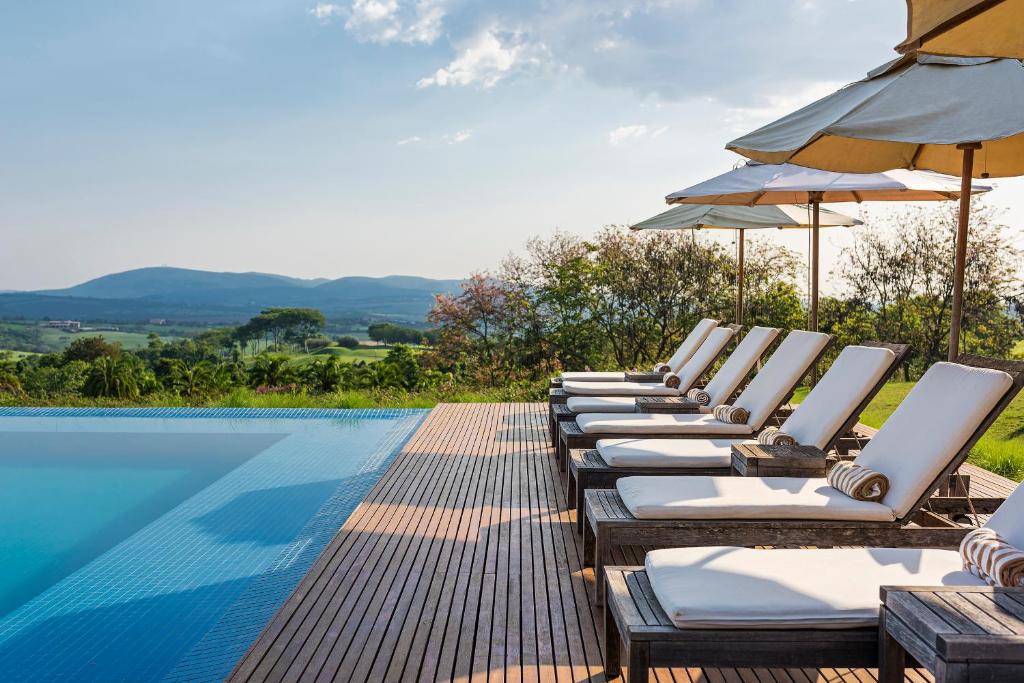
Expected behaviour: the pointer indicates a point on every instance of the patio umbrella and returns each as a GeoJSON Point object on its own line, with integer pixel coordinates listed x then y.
{"type": "Point", "coordinates": [755, 184]}
{"type": "Point", "coordinates": [919, 111]}
{"type": "Point", "coordinates": [740, 219]}
{"type": "Point", "coordinates": [971, 28]}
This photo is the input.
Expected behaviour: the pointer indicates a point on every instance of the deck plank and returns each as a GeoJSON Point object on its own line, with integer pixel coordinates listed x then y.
{"type": "Point", "coordinates": [463, 564]}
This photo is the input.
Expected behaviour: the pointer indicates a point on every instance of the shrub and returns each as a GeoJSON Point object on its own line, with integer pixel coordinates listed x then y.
{"type": "Point", "coordinates": [348, 342]}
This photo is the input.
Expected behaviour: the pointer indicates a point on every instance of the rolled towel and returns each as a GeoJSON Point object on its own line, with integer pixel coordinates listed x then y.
{"type": "Point", "coordinates": [662, 367]}
{"type": "Point", "coordinates": [988, 556]}
{"type": "Point", "coordinates": [731, 414]}
{"type": "Point", "coordinates": [857, 481]}
{"type": "Point", "coordinates": [773, 436]}
{"type": "Point", "coordinates": [699, 395]}
{"type": "Point", "coordinates": [671, 380]}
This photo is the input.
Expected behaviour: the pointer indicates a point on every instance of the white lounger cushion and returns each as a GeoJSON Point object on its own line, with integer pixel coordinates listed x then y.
{"type": "Point", "coordinates": [667, 452]}
{"type": "Point", "coordinates": [780, 374]}
{"type": "Point", "coordinates": [720, 587]}
{"type": "Point", "coordinates": [740, 363]}
{"type": "Point", "coordinates": [703, 357]}
{"type": "Point", "coordinates": [616, 376]}
{"type": "Point", "coordinates": [929, 427]}
{"type": "Point", "coordinates": [619, 389]}
{"type": "Point", "coordinates": [701, 497]}
{"type": "Point", "coordinates": [835, 398]}
{"type": "Point", "coordinates": [692, 342]}
{"type": "Point", "coordinates": [659, 423]}
{"type": "Point", "coordinates": [601, 404]}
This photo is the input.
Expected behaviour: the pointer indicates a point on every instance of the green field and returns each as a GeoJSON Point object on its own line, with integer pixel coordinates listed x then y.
{"type": "Point", "coordinates": [1001, 450]}
{"type": "Point", "coordinates": [48, 340]}
{"type": "Point", "coordinates": [368, 354]}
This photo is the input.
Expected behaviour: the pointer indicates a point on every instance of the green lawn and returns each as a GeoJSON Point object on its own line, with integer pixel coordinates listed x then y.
{"type": "Point", "coordinates": [1018, 350]}
{"type": "Point", "coordinates": [1000, 450]}
{"type": "Point", "coordinates": [344, 355]}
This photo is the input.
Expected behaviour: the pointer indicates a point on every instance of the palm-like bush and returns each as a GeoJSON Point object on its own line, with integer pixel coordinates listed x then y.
{"type": "Point", "coordinates": [191, 379]}
{"type": "Point", "coordinates": [113, 377]}
{"type": "Point", "coordinates": [323, 375]}
{"type": "Point", "coordinates": [270, 371]}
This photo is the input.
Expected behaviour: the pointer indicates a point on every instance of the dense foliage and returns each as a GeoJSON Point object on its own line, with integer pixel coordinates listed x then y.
{"type": "Point", "coordinates": [623, 300]}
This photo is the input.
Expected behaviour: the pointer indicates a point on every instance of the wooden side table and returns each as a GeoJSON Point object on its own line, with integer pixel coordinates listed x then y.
{"type": "Point", "coordinates": [678, 405]}
{"type": "Point", "coordinates": [960, 634]}
{"type": "Point", "coordinates": [755, 460]}
{"type": "Point", "coordinates": [649, 377]}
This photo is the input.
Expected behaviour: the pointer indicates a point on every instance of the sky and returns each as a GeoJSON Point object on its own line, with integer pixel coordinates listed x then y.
{"type": "Point", "coordinates": [375, 137]}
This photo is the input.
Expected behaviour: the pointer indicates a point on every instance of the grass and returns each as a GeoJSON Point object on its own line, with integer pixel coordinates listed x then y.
{"type": "Point", "coordinates": [54, 340]}
{"type": "Point", "coordinates": [368, 354]}
{"type": "Point", "coordinates": [1018, 350]}
{"type": "Point", "coordinates": [1001, 450]}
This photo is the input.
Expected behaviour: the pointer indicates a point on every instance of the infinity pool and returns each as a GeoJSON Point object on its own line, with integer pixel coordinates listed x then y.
{"type": "Point", "coordinates": [154, 544]}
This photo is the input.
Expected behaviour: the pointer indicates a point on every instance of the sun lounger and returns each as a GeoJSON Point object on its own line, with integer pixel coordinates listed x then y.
{"type": "Point", "coordinates": [827, 413]}
{"type": "Point", "coordinates": [615, 395]}
{"type": "Point", "coordinates": [765, 394]}
{"type": "Point", "coordinates": [926, 439]}
{"type": "Point", "coordinates": [741, 607]}
{"type": "Point", "coordinates": [686, 349]}
{"type": "Point", "coordinates": [690, 371]}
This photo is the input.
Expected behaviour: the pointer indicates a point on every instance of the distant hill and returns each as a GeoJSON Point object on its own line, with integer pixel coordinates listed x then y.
{"type": "Point", "coordinates": [204, 296]}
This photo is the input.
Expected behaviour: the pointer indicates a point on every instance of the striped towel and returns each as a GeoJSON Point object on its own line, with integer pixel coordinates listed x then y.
{"type": "Point", "coordinates": [731, 414]}
{"type": "Point", "coordinates": [989, 557]}
{"type": "Point", "coordinates": [671, 380]}
{"type": "Point", "coordinates": [857, 481]}
{"type": "Point", "coordinates": [662, 367]}
{"type": "Point", "coordinates": [773, 436]}
{"type": "Point", "coordinates": [699, 395]}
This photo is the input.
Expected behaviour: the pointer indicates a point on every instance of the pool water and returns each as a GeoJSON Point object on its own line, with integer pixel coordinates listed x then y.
{"type": "Point", "coordinates": [155, 544]}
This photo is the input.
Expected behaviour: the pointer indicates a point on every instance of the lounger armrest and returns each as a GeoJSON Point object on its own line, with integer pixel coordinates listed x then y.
{"type": "Point", "coordinates": [645, 376]}
{"type": "Point", "coordinates": [676, 405]}
{"type": "Point", "coordinates": [756, 460]}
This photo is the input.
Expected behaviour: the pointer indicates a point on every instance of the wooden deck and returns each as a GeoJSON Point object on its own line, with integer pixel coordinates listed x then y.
{"type": "Point", "coordinates": [463, 564]}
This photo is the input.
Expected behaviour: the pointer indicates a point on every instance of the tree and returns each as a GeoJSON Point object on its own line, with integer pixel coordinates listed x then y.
{"type": "Point", "coordinates": [191, 379]}
{"type": "Point", "coordinates": [323, 375]}
{"type": "Point", "coordinates": [91, 348]}
{"type": "Point", "coordinates": [348, 342]}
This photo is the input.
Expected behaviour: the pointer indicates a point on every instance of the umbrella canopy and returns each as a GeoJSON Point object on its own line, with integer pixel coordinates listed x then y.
{"type": "Point", "coordinates": [972, 28]}
{"type": "Point", "coordinates": [920, 111]}
{"type": "Point", "coordinates": [756, 183]}
{"type": "Point", "coordinates": [741, 219]}
{"type": "Point", "coordinates": [911, 113]}
{"type": "Point", "coordinates": [697, 216]}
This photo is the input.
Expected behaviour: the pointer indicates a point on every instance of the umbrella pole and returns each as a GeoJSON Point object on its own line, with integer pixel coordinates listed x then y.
{"type": "Point", "coordinates": [815, 198]}
{"type": "Point", "coordinates": [815, 225]}
{"type": "Point", "coordinates": [739, 276]}
{"type": "Point", "coordinates": [959, 264]}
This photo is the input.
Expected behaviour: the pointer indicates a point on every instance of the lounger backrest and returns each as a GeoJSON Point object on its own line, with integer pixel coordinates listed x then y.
{"type": "Point", "coordinates": [740, 363]}
{"type": "Point", "coordinates": [705, 355]}
{"type": "Point", "coordinates": [838, 394]}
{"type": "Point", "coordinates": [692, 342]}
{"type": "Point", "coordinates": [930, 427]}
{"type": "Point", "coordinates": [780, 374]}
{"type": "Point", "coordinates": [1008, 519]}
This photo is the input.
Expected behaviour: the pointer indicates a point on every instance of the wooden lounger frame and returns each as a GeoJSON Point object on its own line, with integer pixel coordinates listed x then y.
{"type": "Point", "coordinates": [588, 470]}
{"type": "Point", "coordinates": [609, 523]}
{"type": "Point", "coordinates": [570, 436]}
{"type": "Point", "coordinates": [634, 621]}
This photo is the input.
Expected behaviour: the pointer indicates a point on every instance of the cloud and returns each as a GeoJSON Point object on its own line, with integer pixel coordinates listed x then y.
{"type": "Point", "coordinates": [325, 10]}
{"type": "Point", "coordinates": [458, 136]}
{"type": "Point", "coordinates": [409, 140]}
{"type": "Point", "coordinates": [485, 59]}
{"type": "Point", "coordinates": [389, 21]}
{"type": "Point", "coordinates": [634, 132]}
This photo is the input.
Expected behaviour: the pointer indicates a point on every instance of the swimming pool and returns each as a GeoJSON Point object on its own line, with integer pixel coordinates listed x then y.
{"type": "Point", "coordinates": [155, 544]}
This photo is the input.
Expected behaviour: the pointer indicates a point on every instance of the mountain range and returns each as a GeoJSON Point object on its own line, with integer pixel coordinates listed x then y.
{"type": "Point", "coordinates": [185, 295]}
